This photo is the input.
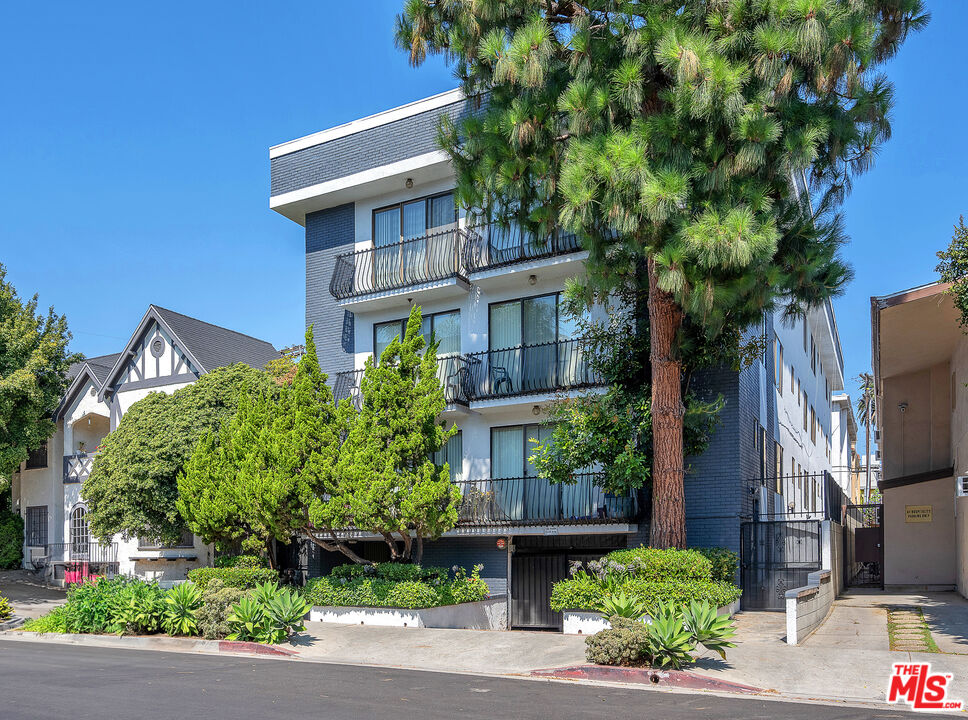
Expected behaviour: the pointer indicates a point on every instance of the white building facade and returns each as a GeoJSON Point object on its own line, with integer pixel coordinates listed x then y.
{"type": "Point", "coordinates": [167, 351]}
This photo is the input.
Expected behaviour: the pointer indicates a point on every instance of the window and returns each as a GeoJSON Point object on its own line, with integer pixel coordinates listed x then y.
{"type": "Point", "coordinates": [813, 494]}
{"type": "Point", "coordinates": [804, 333]}
{"type": "Point", "coordinates": [805, 416]}
{"type": "Point", "coordinates": [798, 392]}
{"type": "Point", "coordinates": [37, 458]}
{"type": "Point", "coordinates": [778, 364]}
{"type": "Point", "coordinates": [186, 540]}
{"type": "Point", "coordinates": [409, 242]}
{"type": "Point", "coordinates": [443, 327]}
{"type": "Point", "coordinates": [413, 219]}
{"type": "Point", "coordinates": [529, 346]}
{"type": "Point", "coordinates": [813, 426]}
{"type": "Point", "coordinates": [763, 338]}
{"type": "Point", "coordinates": [35, 526]}
{"type": "Point", "coordinates": [762, 448]}
{"type": "Point", "coordinates": [813, 356]}
{"type": "Point", "coordinates": [793, 380]}
{"type": "Point", "coordinates": [511, 447]}
{"type": "Point", "coordinates": [80, 533]}
{"type": "Point", "coordinates": [779, 469]}
{"type": "Point", "coordinates": [452, 453]}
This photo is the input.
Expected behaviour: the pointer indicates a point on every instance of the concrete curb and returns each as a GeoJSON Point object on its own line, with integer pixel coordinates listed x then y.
{"type": "Point", "coordinates": [154, 642]}
{"type": "Point", "coordinates": [647, 676]}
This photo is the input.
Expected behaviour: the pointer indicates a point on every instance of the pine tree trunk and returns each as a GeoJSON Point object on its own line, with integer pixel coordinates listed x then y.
{"type": "Point", "coordinates": [668, 497]}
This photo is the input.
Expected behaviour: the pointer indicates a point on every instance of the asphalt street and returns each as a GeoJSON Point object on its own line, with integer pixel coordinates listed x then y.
{"type": "Point", "coordinates": [43, 681]}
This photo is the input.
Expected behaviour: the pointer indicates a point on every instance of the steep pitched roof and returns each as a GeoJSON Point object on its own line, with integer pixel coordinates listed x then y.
{"type": "Point", "coordinates": [207, 346]}
{"type": "Point", "coordinates": [214, 346]}
{"type": "Point", "coordinates": [95, 369]}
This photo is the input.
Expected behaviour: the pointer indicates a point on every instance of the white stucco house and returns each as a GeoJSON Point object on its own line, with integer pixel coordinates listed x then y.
{"type": "Point", "coordinates": [167, 351]}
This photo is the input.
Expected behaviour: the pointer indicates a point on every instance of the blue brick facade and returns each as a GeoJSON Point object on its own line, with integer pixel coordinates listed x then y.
{"type": "Point", "coordinates": [384, 144]}
{"type": "Point", "coordinates": [329, 233]}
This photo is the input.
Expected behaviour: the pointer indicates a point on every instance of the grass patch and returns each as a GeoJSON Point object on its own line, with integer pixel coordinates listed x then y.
{"type": "Point", "coordinates": [914, 630]}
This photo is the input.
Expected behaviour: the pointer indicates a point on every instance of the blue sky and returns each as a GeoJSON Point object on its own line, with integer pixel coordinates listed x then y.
{"type": "Point", "coordinates": [134, 156]}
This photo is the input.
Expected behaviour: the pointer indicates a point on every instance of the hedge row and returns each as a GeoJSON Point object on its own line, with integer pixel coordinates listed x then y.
{"type": "Point", "coordinates": [236, 577]}
{"type": "Point", "coordinates": [583, 593]}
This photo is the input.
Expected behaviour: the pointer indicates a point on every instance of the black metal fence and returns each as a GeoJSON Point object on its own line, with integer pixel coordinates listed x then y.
{"type": "Point", "coordinates": [451, 372]}
{"type": "Point", "coordinates": [531, 500]}
{"type": "Point", "coordinates": [436, 256]}
{"type": "Point", "coordinates": [806, 496]}
{"type": "Point", "coordinates": [776, 556]}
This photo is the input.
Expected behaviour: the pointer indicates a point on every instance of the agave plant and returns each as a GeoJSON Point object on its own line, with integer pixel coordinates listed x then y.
{"type": "Point", "coordinates": [181, 602]}
{"type": "Point", "coordinates": [247, 620]}
{"type": "Point", "coordinates": [625, 606]}
{"type": "Point", "coordinates": [709, 628]}
{"type": "Point", "coordinates": [669, 642]}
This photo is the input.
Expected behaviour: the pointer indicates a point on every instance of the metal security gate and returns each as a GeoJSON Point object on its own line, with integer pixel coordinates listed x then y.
{"type": "Point", "coordinates": [532, 577]}
{"type": "Point", "coordinates": [864, 545]}
{"type": "Point", "coordinates": [776, 556]}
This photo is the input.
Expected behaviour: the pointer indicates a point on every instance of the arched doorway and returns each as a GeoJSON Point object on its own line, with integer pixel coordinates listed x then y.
{"type": "Point", "coordinates": [80, 534]}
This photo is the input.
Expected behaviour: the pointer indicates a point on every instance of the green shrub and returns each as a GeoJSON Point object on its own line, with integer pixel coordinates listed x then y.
{"type": "Point", "coordinates": [217, 602]}
{"type": "Point", "coordinates": [137, 607]}
{"type": "Point", "coordinates": [622, 644]}
{"type": "Point", "coordinates": [668, 641]}
{"type": "Point", "coordinates": [411, 594]}
{"type": "Point", "coordinates": [248, 562]}
{"type": "Point", "coordinates": [725, 563]}
{"type": "Point", "coordinates": [53, 622]}
{"type": "Point", "coordinates": [242, 578]}
{"type": "Point", "coordinates": [92, 606]}
{"type": "Point", "coordinates": [584, 593]}
{"type": "Point", "coordinates": [11, 537]}
{"type": "Point", "coordinates": [395, 585]}
{"type": "Point", "coordinates": [663, 565]}
{"type": "Point", "coordinates": [466, 588]}
{"type": "Point", "coordinates": [6, 609]}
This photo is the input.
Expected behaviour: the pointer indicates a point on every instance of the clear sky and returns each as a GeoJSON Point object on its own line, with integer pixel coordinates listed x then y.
{"type": "Point", "coordinates": [134, 156]}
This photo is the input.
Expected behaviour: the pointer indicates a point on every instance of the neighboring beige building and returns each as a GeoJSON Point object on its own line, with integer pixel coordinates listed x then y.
{"type": "Point", "coordinates": [921, 367]}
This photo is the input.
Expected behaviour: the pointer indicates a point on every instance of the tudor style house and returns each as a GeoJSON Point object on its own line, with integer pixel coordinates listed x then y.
{"type": "Point", "coordinates": [167, 351]}
{"type": "Point", "coordinates": [383, 234]}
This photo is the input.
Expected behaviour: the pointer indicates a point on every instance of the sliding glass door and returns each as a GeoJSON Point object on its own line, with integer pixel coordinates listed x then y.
{"type": "Point", "coordinates": [519, 493]}
{"type": "Point", "coordinates": [524, 340]}
{"type": "Point", "coordinates": [410, 241]}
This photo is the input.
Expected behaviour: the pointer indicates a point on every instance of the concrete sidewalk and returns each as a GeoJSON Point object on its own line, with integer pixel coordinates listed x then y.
{"type": "Point", "coordinates": [29, 596]}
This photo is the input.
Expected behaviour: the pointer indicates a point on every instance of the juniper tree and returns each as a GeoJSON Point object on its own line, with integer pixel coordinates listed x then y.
{"type": "Point", "coordinates": [670, 136]}
{"type": "Point", "coordinates": [395, 489]}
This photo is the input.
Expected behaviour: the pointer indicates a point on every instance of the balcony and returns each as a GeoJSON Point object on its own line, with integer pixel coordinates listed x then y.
{"type": "Point", "coordinates": [435, 259]}
{"type": "Point", "coordinates": [493, 247]}
{"type": "Point", "coordinates": [535, 501]}
{"type": "Point", "coordinates": [450, 368]}
{"type": "Point", "coordinates": [77, 467]}
{"type": "Point", "coordinates": [527, 370]}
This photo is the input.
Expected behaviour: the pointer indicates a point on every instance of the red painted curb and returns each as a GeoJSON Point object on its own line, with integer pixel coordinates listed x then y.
{"type": "Point", "coordinates": [253, 648]}
{"type": "Point", "coordinates": [647, 676]}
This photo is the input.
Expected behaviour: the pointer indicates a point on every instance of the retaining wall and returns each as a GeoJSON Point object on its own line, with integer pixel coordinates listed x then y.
{"type": "Point", "coordinates": [807, 607]}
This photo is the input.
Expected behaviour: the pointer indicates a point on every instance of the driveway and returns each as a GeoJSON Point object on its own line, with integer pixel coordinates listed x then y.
{"type": "Point", "coordinates": [29, 596]}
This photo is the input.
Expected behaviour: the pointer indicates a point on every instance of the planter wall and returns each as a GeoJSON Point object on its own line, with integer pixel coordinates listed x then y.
{"type": "Point", "coordinates": [584, 622]}
{"type": "Point", "coordinates": [490, 614]}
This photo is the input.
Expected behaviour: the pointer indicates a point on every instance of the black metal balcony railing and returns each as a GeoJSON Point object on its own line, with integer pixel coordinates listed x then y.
{"type": "Point", "coordinates": [799, 498]}
{"type": "Point", "coordinates": [535, 501]}
{"type": "Point", "coordinates": [528, 369]}
{"type": "Point", "coordinates": [438, 255]}
{"type": "Point", "coordinates": [77, 467]}
{"type": "Point", "coordinates": [82, 551]}
{"type": "Point", "coordinates": [449, 368]}
{"type": "Point", "coordinates": [524, 370]}
{"type": "Point", "coordinates": [494, 246]}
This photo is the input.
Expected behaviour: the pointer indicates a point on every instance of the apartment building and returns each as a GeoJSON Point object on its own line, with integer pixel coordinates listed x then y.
{"type": "Point", "coordinates": [167, 351]}
{"type": "Point", "coordinates": [383, 234]}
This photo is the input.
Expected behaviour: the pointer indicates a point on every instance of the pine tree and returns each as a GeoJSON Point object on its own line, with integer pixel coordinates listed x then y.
{"type": "Point", "coordinates": [395, 488]}
{"type": "Point", "coordinates": [671, 137]}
